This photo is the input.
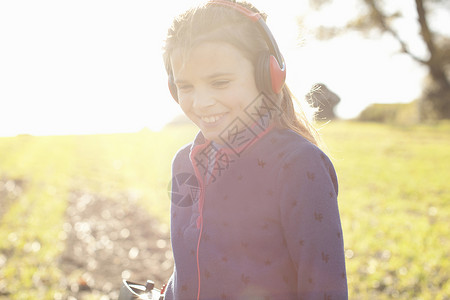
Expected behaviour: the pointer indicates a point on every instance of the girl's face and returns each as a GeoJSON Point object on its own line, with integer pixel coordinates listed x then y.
{"type": "Point", "coordinates": [215, 84]}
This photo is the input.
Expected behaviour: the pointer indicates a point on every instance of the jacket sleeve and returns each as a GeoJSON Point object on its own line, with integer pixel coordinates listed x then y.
{"type": "Point", "coordinates": [311, 224]}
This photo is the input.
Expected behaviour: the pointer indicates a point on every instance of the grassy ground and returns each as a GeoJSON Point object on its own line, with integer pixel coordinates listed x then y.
{"type": "Point", "coordinates": [395, 208]}
{"type": "Point", "coordinates": [394, 201]}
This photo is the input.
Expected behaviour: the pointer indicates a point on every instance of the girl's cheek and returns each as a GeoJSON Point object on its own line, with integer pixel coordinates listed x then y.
{"type": "Point", "coordinates": [184, 102]}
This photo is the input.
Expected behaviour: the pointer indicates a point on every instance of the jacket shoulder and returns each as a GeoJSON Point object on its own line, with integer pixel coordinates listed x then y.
{"type": "Point", "coordinates": [303, 155]}
{"type": "Point", "coordinates": [182, 154]}
{"type": "Point", "coordinates": [294, 142]}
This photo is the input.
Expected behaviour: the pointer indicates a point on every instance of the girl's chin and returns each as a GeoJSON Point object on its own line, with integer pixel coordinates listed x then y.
{"type": "Point", "coordinates": [213, 136]}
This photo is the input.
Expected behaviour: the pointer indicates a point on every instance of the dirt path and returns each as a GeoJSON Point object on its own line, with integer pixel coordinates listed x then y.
{"type": "Point", "coordinates": [10, 190]}
{"type": "Point", "coordinates": [110, 240]}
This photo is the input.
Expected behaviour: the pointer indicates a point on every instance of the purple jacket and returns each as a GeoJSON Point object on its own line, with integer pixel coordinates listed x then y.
{"type": "Point", "coordinates": [256, 219]}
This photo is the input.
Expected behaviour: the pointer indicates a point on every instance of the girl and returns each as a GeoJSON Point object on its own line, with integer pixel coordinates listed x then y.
{"type": "Point", "coordinates": [254, 211]}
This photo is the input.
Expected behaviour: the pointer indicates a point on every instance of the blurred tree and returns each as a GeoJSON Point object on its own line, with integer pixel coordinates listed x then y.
{"type": "Point", "coordinates": [378, 16]}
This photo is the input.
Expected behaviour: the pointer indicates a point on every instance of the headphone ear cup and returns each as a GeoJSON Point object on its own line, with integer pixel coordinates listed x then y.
{"type": "Point", "coordinates": [269, 76]}
{"type": "Point", "coordinates": [173, 88]}
{"type": "Point", "coordinates": [277, 75]}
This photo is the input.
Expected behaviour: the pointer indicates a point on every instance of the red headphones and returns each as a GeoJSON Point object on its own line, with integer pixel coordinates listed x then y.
{"type": "Point", "coordinates": [270, 69]}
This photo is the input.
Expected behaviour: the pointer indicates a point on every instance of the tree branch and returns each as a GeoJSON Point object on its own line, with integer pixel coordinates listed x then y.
{"type": "Point", "coordinates": [380, 19]}
{"type": "Point", "coordinates": [424, 29]}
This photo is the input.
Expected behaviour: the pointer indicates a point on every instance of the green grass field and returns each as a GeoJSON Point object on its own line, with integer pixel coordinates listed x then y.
{"type": "Point", "coordinates": [394, 200]}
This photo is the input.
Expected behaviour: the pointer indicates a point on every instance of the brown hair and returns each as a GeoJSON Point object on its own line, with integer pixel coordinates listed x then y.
{"type": "Point", "coordinates": [211, 22]}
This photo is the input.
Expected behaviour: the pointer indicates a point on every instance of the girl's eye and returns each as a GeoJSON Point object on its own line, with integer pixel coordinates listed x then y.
{"type": "Point", "coordinates": [220, 83]}
{"type": "Point", "coordinates": [184, 88]}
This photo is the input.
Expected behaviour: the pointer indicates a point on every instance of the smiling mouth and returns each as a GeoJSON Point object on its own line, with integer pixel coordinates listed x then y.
{"type": "Point", "coordinates": [212, 118]}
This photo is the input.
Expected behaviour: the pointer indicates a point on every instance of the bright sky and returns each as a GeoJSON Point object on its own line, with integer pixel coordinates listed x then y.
{"type": "Point", "coordinates": [95, 66]}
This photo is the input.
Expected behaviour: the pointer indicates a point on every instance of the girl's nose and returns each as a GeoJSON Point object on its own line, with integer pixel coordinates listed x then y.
{"type": "Point", "coordinates": [203, 99]}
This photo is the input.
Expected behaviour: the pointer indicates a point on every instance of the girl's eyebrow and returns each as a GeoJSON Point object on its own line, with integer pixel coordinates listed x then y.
{"type": "Point", "coordinates": [218, 74]}
{"type": "Point", "coordinates": [207, 77]}
{"type": "Point", "coordinates": [178, 81]}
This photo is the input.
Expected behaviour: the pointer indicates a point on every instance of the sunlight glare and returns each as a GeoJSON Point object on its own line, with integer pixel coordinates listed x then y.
{"type": "Point", "coordinates": [96, 66]}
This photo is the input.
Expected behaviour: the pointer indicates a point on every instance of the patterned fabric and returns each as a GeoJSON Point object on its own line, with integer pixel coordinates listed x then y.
{"type": "Point", "coordinates": [262, 223]}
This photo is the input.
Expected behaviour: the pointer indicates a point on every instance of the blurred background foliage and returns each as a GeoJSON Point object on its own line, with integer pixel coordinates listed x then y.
{"type": "Point", "coordinates": [397, 113]}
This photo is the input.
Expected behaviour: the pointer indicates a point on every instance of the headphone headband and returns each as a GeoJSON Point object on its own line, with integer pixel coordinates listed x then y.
{"type": "Point", "coordinates": [256, 17]}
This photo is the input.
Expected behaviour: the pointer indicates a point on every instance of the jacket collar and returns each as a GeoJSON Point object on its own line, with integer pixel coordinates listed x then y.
{"type": "Point", "coordinates": [210, 159]}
